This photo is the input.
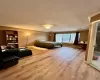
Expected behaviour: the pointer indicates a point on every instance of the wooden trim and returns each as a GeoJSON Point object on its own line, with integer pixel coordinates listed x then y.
{"type": "Point", "coordinates": [92, 37]}
{"type": "Point", "coordinates": [86, 55]}
{"type": "Point", "coordinates": [95, 18]}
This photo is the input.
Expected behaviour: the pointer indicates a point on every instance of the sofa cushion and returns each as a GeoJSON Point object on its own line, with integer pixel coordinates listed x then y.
{"type": "Point", "coordinates": [11, 58]}
{"type": "Point", "coordinates": [24, 52]}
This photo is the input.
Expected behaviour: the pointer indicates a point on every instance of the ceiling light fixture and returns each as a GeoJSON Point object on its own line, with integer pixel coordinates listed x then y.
{"type": "Point", "coordinates": [47, 26]}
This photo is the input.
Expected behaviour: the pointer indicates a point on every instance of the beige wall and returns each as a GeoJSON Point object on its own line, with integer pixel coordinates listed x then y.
{"type": "Point", "coordinates": [31, 38]}
{"type": "Point", "coordinates": [84, 35]}
{"type": "Point", "coordinates": [22, 35]}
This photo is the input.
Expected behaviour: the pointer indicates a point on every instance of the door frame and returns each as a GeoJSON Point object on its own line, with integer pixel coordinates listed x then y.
{"type": "Point", "coordinates": [91, 42]}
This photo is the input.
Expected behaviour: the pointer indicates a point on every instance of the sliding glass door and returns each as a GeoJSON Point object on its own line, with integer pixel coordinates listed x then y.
{"type": "Point", "coordinates": [96, 51]}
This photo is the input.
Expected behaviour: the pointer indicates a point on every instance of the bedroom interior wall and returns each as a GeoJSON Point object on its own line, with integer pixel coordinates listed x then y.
{"type": "Point", "coordinates": [22, 35]}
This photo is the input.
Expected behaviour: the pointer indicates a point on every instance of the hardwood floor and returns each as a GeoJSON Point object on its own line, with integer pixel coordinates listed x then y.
{"type": "Point", "coordinates": [58, 64]}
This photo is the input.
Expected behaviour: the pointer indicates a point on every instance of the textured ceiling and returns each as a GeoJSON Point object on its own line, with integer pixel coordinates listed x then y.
{"type": "Point", "coordinates": [66, 15]}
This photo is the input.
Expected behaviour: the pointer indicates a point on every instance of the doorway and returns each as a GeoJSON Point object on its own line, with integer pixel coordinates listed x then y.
{"type": "Point", "coordinates": [94, 46]}
{"type": "Point", "coordinates": [96, 50]}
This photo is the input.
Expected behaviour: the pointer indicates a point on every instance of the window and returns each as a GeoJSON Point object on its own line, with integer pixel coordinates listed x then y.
{"type": "Point", "coordinates": [58, 37]}
{"type": "Point", "coordinates": [68, 38]}
{"type": "Point", "coordinates": [73, 35]}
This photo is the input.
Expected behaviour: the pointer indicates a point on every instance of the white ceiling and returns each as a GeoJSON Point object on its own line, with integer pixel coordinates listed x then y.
{"type": "Point", "coordinates": [66, 15]}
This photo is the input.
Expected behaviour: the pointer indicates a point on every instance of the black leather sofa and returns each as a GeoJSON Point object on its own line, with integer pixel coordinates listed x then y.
{"type": "Point", "coordinates": [11, 57]}
{"type": "Point", "coordinates": [8, 58]}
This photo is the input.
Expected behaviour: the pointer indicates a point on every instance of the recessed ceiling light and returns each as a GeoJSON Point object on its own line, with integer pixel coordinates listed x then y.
{"type": "Point", "coordinates": [47, 26]}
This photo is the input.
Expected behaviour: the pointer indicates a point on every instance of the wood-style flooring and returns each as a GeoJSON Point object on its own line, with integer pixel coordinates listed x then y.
{"type": "Point", "coordinates": [58, 64]}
